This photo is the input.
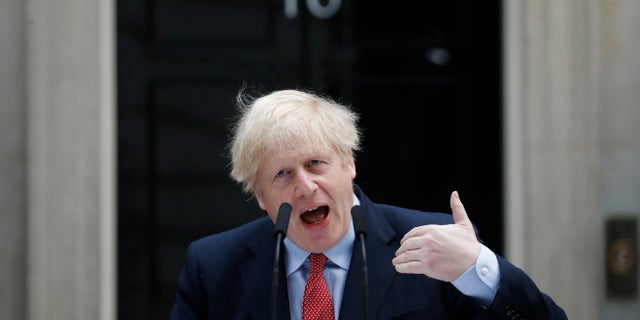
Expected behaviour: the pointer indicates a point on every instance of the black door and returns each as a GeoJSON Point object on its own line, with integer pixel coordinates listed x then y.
{"type": "Point", "coordinates": [425, 76]}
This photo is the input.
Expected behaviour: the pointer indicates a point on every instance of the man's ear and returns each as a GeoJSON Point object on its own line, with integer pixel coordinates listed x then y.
{"type": "Point", "coordinates": [258, 196]}
{"type": "Point", "coordinates": [352, 165]}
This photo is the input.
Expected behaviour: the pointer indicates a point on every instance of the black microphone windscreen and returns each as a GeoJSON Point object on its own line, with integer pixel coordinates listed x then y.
{"type": "Point", "coordinates": [358, 221]}
{"type": "Point", "coordinates": [282, 221]}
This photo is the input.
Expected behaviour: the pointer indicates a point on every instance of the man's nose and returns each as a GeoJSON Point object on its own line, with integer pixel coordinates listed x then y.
{"type": "Point", "coordinates": [305, 185]}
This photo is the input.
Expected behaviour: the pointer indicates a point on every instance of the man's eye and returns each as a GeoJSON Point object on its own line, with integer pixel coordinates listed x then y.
{"type": "Point", "coordinates": [281, 173]}
{"type": "Point", "coordinates": [315, 162]}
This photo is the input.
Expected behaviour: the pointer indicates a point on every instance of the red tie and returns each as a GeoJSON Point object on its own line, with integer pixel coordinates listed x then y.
{"type": "Point", "coordinates": [316, 303]}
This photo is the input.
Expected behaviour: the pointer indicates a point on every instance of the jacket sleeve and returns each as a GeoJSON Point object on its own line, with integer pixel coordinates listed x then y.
{"type": "Point", "coordinates": [190, 300]}
{"type": "Point", "coordinates": [519, 298]}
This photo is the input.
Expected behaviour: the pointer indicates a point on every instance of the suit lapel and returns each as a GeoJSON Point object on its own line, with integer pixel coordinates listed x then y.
{"type": "Point", "coordinates": [256, 279]}
{"type": "Point", "coordinates": [381, 271]}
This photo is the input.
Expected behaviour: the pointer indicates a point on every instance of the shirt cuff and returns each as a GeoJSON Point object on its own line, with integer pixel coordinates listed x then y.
{"type": "Point", "coordinates": [481, 281]}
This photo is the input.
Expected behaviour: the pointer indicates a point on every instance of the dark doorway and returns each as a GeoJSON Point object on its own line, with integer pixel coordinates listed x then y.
{"type": "Point", "coordinates": [425, 76]}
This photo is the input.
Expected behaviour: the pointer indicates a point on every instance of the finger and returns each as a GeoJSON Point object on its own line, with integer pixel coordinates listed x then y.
{"type": "Point", "coordinates": [404, 257]}
{"type": "Point", "coordinates": [409, 267]}
{"type": "Point", "coordinates": [459, 213]}
{"type": "Point", "coordinates": [415, 232]}
{"type": "Point", "coordinates": [410, 244]}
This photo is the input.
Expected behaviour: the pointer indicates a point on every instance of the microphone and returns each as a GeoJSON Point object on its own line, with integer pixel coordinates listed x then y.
{"type": "Point", "coordinates": [361, 234]}
{"type": "Point", "coordinates": [279, 232]}
{"type": "Point", "coordinates": [282, 221]}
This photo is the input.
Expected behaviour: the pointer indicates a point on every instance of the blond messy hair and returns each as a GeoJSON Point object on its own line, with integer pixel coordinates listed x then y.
{"type": "Point", "coordinates": [283, 121]}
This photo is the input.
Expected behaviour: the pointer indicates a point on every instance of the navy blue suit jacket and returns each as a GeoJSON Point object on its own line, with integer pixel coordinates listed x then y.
{"type": "Point", "coordinates": [228, 276]}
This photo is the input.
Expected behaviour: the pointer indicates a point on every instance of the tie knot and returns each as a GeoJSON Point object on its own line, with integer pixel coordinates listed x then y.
{"type": "Point", "coordinates": [317, 262]}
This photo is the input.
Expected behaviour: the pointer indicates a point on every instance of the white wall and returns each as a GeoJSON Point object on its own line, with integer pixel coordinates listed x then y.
{"type": "Point", "coordinates": [12, 161]}
{"type": "Point", "coordinates": [57, 160]}
{"type": "Point", "coordinates": [620, 123]}
{"type": "Point", "coordinates": [572, 104]}
{"type": "Point", "coordinates": [71, 157]}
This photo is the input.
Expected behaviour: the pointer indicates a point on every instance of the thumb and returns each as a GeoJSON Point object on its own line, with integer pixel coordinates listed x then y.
{"type": "Point", "coordinates": [459, 213]}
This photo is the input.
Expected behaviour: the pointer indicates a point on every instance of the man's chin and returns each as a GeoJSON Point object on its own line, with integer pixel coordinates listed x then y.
{"type": "Point", "coordinates": [315, 244]}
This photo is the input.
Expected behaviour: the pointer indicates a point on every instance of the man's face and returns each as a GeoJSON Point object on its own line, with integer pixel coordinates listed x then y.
{"type": "Point", "coordinates": [318, 184]}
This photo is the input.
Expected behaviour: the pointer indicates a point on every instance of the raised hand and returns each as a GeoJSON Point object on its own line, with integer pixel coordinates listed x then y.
{"type": "Point", "coordinates": [442, 252]}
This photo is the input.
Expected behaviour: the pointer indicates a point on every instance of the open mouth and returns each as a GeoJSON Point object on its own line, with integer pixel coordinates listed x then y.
{"type": "Point", "coordinates": [315, 215]}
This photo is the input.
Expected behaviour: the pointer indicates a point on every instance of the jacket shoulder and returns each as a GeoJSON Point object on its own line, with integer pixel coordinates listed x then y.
{"type": "Point", "coordinates": [232, 243]}
{"type": "Point", "coordinates": [404, 218]}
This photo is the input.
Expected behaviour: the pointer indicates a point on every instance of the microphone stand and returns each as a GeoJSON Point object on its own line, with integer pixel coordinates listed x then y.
{"type": "Point", "coordinates": [280, 231]}
{"type": "Point", "coordinates": [361, 234]}
{"type": "Point", "coordinates": [274, 278]}
{"type": "Point", "coordinates": [365, 281]}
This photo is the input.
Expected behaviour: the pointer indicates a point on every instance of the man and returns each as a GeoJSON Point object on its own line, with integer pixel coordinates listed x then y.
{"type": "Point", "coordinates": [295, 147]}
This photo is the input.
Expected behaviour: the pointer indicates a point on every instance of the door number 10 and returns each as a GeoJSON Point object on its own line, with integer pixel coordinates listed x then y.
{"type": "Point", "coordinates": [316, 8]}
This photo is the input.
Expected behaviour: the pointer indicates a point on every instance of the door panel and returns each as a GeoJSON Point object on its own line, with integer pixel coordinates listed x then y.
{"type": "Point", "coordinates": [425, 80]}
